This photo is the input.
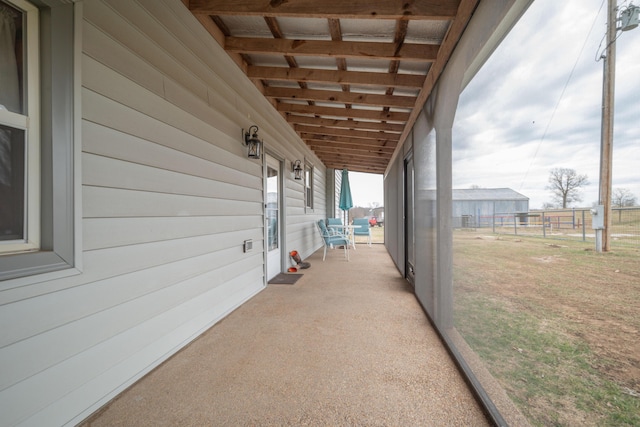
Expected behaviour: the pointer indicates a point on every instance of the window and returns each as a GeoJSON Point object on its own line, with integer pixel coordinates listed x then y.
{"type": "Point", "coordinates": [308, 187]}
{"type": "Point", "coordinates": [36, 159]}
{"type": "Point", "coordinates": [19, 124]}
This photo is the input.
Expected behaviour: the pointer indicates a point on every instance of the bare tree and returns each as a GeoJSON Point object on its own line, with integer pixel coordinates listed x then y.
{"type": "Point", "coordinates": [622, 197]}
{"type": "Point", "coordinates": [565, 185]}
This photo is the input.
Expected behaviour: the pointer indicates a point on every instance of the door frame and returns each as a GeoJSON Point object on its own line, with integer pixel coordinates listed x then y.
{"type": "Point", "coordinates": [281, 215]}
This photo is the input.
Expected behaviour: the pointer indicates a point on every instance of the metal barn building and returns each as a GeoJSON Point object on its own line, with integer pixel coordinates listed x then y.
{"type": "Point", "coordinates": [479, 207]}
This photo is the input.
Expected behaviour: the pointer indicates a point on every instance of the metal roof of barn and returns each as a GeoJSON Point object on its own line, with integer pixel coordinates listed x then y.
{"type": "Point", "coordinates": [487, 194]}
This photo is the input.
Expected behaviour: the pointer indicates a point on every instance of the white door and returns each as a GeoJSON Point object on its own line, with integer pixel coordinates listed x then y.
{"type": "Point", "coordinates": [272, 216]}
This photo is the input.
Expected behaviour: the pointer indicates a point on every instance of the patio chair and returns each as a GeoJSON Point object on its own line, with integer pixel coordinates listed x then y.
{"type": "Point", "coordinates": [332, 237]}
{"type": "Point", "coordinates": [364, 229]}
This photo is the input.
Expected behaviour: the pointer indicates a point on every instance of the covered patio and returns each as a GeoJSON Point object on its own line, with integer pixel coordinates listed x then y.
{"type": "Point", "coordinates": [188, 146]}
{"type": "Point", "coordinates": [347, 344]}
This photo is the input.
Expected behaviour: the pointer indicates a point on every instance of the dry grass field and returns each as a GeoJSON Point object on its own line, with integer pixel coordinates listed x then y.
{"type": "Point", "coordinates": [556, 323]}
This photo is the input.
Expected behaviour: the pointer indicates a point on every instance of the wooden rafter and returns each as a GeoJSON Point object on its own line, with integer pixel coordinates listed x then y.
{"type": "Point", "coordinates": [342, 97]}
{"type": "Point", "coordinates": [274, 27]}
{"type": "Point", "coordinates": [353, 113]}
{"type": "Point", "coordinates": [363, 134]}
{"type": "Point", "coordinates": [351, 151]}
{"type": "Point", "coordinates": [336, 35]}
{"type": "Point", "coordinates": [401, 33]}
{"type": "Point", "coordinates": [332, 49]}
{"type": "Point", "coordinates": [331, 145]}
{"type": "Point", "coordinates": [348, 140]}
{"type": "Point", "coordinates": [347, 124]}
{"type": "Point", "coordinates": [362, 155]}
{"type": "Point", "coordinates": [336, 76]}
{"type": "Point", "coordinates": [349, 162]}
{"type": "Point", "coordinates": [364, 148]}
{"type": "Point", "coordinates": [356, 9]}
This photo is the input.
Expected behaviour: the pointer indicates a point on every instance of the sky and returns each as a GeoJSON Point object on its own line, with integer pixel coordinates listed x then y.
{"type": "Point", "coordinates": [366, 189]}
{"type": "Point", "coordinates": [536, 104]}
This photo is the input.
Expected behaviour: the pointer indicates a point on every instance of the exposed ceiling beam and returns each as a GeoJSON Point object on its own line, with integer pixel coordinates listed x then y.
{"type": "Point", "coordinates": [335, 29]}
{"type": "Point", "coordinates": [401, 33]}
{"type": "Point", "coordinates": [365, 158]}
{"type": "Point", "coordinates": [360, 9]}
{"type": "Point", "coordinates": [332, 49]}
{"type": "Point", "coordinates": [363, 146]}
{"type": "Point", "coordinates": [348, 163]}
{"type": "Point", "coordinates": [341, 97]}
{"type": "Point", "coordinates": [274, 27]}
{"type": "Point", "coordinates": [347, 124]}
{"type": "Point", "coordinates": [336, 76]}
{"type": "Point", "coordinates": [348, 140]}
{"type": "Point", "coordinates": [351, 151]}
{"type": "Point", "coordinates": [367, 147]}
{"type": "Point", "coordinates": [355, 168]}
{"type": "Point", "coordinates": [363, 134]}
{"type": "Point", "coordinates": [390, 116]}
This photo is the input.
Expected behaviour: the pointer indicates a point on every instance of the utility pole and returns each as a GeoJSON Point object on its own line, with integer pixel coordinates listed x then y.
{"type": "Point", "coordinates": [606, 136]}
{"type": "Point", "coordinates": [629, 19]}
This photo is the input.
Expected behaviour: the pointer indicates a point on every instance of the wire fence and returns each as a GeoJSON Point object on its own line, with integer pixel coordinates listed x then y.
{"type": "Point", "coordinates": [565, 224]}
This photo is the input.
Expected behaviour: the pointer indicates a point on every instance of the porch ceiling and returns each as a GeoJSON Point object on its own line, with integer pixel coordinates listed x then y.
{"type": "Point", "coordinates": [349, 76]}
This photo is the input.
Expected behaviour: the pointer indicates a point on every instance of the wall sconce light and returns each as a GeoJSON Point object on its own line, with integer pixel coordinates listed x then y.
{"type": "Point", "coordinates": [252, 141]}
{"type": "Point", "coordinates": [297, 169]}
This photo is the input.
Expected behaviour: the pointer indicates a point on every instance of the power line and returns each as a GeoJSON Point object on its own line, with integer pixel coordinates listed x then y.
{"type": "Point", "coordinates": [546, 130]}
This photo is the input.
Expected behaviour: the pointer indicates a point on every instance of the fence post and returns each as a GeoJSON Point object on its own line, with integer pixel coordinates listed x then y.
{"type": "Point", "coordinates": [584, 232]}
{"type": "Point", "coordinates": [544, 225]}
{"type": "Point", "coordinates": [493, 218]}
{"type": "Point", "coordinates": [515, 224]}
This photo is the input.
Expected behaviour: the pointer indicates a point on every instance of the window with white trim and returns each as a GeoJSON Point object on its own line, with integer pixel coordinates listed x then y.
{"type": "Point", "coordinates": [19, 127]}
{"type": "Point", "coordinates": [37, 82]}
{"type": "Point", "coordinates": [308, 187]}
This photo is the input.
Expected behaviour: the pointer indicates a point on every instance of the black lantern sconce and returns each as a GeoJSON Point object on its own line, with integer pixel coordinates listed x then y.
{"type": "Point", "coordinates": [252, 141]}
{"type": "Point", "coordinates": [297, 169]}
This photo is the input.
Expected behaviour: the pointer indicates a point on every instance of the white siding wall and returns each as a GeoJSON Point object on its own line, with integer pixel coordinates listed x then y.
{"type": "Point", "coordinates": [168, 197]}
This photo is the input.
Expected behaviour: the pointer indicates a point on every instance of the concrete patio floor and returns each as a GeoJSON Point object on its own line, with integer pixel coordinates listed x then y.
{"type": "Point", "coordinates": [347, 345]}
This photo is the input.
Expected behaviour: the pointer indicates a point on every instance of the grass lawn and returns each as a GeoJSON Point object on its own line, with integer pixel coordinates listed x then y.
{"type": "Point", "coordinates": [556, 323]}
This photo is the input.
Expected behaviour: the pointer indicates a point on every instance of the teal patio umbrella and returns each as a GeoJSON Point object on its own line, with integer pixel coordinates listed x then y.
{"type": "Point", "coordinates": [346, 202]}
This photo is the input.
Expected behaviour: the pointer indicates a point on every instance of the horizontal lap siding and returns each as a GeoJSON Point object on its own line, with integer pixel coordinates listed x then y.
{"type": "Point", "coordinates": [168, 197]}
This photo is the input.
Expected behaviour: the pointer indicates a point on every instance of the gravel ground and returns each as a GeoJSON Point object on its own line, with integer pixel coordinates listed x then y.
{"type": "Point", "coordinates": [347, 345]}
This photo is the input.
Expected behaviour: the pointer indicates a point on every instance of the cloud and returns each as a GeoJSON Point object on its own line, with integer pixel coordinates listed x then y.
{"type": "Point", "coordinates": [537, 102]}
